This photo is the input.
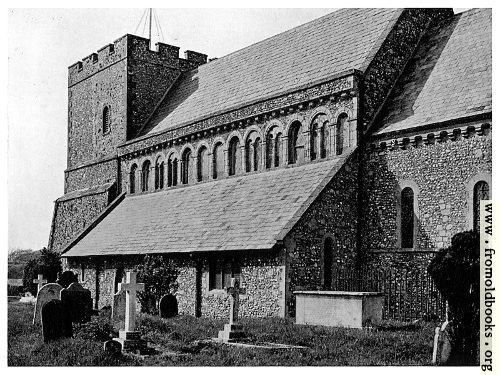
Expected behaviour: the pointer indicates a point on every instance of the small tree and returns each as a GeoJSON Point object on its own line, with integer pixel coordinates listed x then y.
{"type": "Point", "coordinates": [159, 275]}
{"type": "Point", "coordinates": [455, 271]}
{"type": "Point", "coordinates": [48, 264]}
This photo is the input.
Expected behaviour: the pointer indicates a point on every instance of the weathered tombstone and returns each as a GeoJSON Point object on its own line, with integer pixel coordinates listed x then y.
{"type": "Point", "coordinates": [113, 347]}
{"type": "Point", "coordinates": [67, 278]}
{"type": "Point", "coordinates": [77, 301]}
{"type": "Point", "coordinates": [55, 321]}
{"type": "Point", "coordinates": [129, 338]}
{"type": "Point", "coordinates": [442, 344]}
{"type": "Point", "coordinates": [47, 293]}
{"type": "Point", "coordinates": [40, 281]}
{"type": "Point", "coordinates": [233, 331]}
{"type": "Point", "coordinates": [168, 306]}
{"type": "Point", "coordinates": [118, 309]}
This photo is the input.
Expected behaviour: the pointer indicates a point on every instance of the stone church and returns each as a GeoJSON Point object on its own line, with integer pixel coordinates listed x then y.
{"type": "Point", "coordinates": [360, 140]}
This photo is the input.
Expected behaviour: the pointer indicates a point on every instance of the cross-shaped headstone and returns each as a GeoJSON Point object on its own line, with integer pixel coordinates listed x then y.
{"type": "Point", "coordinates": [40, 281]}
{"type": "Point", "coordinates": [131, 287]}
{"type": "Point", "coordinates": [234, 292]}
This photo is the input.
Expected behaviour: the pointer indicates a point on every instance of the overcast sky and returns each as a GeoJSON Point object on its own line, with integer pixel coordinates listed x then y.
{"type": "Point", "coordinates": [44, 42]}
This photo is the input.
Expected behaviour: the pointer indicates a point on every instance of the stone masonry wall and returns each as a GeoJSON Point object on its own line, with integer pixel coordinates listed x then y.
{"type": "Point", "coordinates": [262, 275]}
{"type": "Point", "coordinates": [86, 102]}
{"type": "Point", "coordinates": [392, 56]}
{"type": "Point", "coordinates": [92, 175]}
{"type": "Point", "coordinates": [442, 176]}
{"type": "Point", "coordinates": [306, 116]}
{"type": "Point", "coordinates": [333, 214]}
{"type": "Point", "coordinates": [72, 216]}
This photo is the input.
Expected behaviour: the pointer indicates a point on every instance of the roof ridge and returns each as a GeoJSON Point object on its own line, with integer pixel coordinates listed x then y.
{"type": "Point", "coordinates": [218, 59]}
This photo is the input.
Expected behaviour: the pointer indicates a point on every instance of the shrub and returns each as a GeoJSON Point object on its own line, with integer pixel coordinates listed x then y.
{"type": "Point", "coordinates": [160, 277]}
{"type": "Point", "coordinates": [48, 264]}
{"type": "Point", "coordinates": [98, 329]}
{"type": "Point", "coordinates": [66, 278]}
{"type": "Point", "coordinates": [455, 271]}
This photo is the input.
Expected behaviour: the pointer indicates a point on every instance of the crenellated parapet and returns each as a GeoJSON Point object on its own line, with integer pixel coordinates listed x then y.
{"type": "Point", "coordinates": [134, 47]}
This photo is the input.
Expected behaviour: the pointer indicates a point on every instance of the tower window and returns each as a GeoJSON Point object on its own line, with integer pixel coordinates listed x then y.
{"type": "Point", "coordinates": [106, 120]}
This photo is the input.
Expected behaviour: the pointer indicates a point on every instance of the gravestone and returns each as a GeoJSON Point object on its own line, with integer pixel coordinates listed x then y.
{"type": "Point", "coordinates": [40, 281]}
{"type": "Point", "coordinates": [168, 306]}
{"type": "Point", "coordinates": [118, 309]}
{"type": "Point", "coordinates": [442, 344]}
{"type": "Point", "coordinates": [233, 330]}
{"type": "Point", "coordinates": [47, 293]}
{"type": "Point", "coordinates": [77, 301]}
{"type": "Point", "coordinates": [67, 278]}
{"type": "Point", "coordinates": [113, 347]}
{"type": "Point", "coordinates": [55, 321]}
{"type": "Point", "coordinates": [129, 338]}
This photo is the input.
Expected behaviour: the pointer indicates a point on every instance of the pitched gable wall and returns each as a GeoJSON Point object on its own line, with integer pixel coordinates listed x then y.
{"type": "Point", "coordinates": [389, 61]}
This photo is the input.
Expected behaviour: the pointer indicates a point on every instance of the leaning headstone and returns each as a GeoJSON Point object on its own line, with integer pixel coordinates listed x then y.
{"type": "Point", "coordinates": [442, 344]}
{"type": "Point", "coordinates": [55, 321]}
{"type": "Point", "coordinates": [118, 309]}
{"type": "Point", "coordinates": [77, 301]}
{"type": "Point", "coordinates": [47, 293]}
{"type": "Point", "coordinates": [113, 347]}
{"type": "Point", "coordinates": [168, 306]}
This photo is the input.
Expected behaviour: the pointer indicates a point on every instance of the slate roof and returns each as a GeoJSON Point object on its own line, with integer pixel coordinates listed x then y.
{"type": "Point", "coordinates": [449, 76]}
{"type": "Point", "coordinates": [333, 44]}
{"type": "Point", "coordinates": [84, 192]}
{"type": "Point", "coordinates": [250, 212]}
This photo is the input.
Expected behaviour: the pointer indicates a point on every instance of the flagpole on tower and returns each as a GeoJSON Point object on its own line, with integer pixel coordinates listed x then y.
{"type": "Point", "coordinates": [143, 23]}
{"type": "Point", "coordinates": [150, 18]}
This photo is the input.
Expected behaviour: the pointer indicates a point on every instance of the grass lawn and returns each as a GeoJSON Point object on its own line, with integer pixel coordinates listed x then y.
{"type": "Point", "coordinates": [180, 343]}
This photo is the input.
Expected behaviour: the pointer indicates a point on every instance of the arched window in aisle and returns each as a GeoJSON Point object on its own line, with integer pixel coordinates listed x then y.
{"type": "Point", "coordinates": [327, 263]}
{"type": "Point", "coordinates": [407, 217]}
{"type": "Point", "coordinates": [339, 130]}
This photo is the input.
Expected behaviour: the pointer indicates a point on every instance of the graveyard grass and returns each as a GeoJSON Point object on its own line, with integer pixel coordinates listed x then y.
{"type": "Point", "coordinates": [182, 341]}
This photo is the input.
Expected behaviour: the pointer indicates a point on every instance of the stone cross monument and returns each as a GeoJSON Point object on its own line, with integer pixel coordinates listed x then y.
{"type": "Point", "coordinates": [131, 287]}
{"type": "Point", "coordinates": [233, 331]}
{"type": "Point", "coordinates": [40, 281]}
{"type": "Point", "coordinates": [234, 292]}
{"type": "Point", "coordinates": [129, 337]}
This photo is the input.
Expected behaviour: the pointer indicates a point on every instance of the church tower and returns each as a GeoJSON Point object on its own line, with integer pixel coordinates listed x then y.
{"type": "Point", "coordinates": [111, 94]}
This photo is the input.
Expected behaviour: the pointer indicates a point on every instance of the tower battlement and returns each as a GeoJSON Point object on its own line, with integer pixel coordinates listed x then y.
{"type": "Point", "coordinates": [135, 47]}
